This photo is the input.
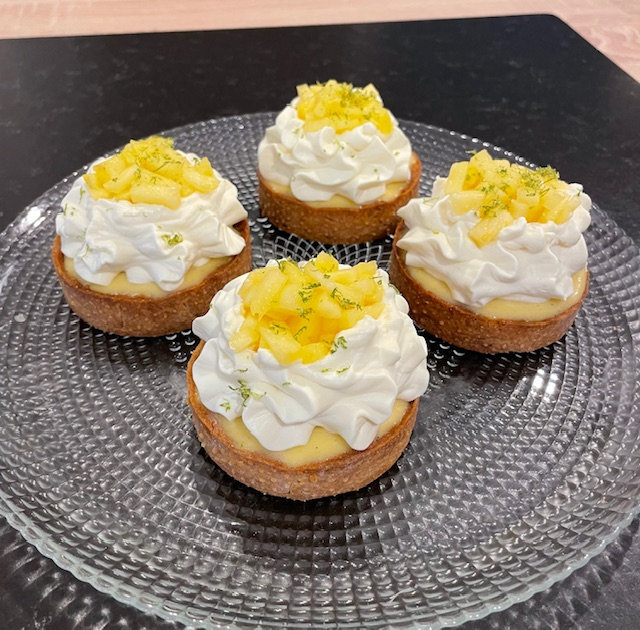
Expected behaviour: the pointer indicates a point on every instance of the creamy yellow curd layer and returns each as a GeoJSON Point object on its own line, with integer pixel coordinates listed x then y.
{"type": "Point", "coordinates": [321, 446]}
{"type": "Point", "coordinates": [121, 286]}
{"type": "Point", "coordinates": [505, 309]}
{"type": "Point", "coordinates": [392, 190]}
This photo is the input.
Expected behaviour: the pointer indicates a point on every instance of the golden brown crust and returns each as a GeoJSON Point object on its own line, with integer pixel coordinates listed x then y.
{"type": "Point", "coordinates": [321, 479]}
{"type": "Point", "coordinates": [466, 329]}
{"type": "Point", "coordinates": [336, 225]}
{"type": "Point", "coordinates": [145, 316]}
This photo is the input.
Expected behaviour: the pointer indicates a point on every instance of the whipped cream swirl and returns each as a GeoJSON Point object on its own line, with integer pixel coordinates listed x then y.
{"type": "Point", "coordinates": [357, 164]}
{"type": "Point", "coordinates": [148, 242]}
{"type": "Point", "coordinates": [527, 262]}
{"type": "Point", "coordinates": [349, 392]}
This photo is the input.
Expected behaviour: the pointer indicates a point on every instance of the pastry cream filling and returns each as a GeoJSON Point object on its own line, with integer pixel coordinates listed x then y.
{"type": "Point", "coordinates": [322, 444]}
{"type": "Point", "coordinates": [338, 201]}
{"type": "Point", "coordinates": [506, 309]}
{"type": "Point", "coordinates": [121, 286]}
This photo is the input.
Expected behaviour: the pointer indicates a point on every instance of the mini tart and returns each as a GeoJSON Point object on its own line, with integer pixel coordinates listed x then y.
{"type": "Point", "coordinates": [473, 331]}
{"type": "Point", "coordinates": [141, 316]}
{"type": "Point", "coordinates": [357, 224]}
{"type": "Point", "coordinates": [344, 473]}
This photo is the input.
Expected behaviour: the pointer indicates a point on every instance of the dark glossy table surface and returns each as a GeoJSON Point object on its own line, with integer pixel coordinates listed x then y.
{"type": "Point", "coordinates": [529, 84]}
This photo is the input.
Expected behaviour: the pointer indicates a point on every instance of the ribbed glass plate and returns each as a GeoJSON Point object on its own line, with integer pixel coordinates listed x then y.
{"type": "Point", "coordinates": [521, 466]}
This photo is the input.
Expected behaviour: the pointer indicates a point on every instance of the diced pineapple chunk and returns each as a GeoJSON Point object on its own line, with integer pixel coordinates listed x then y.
{"type": "Point", "coordinates": [485, 230]}
{"type": "Point", "coordinates": [144, 170]}
{"type": "Point", "coordinates": [162, 195]}
{"type": "Point", "coordinates": [197, 180]}
{"type": "Point", "coordinates": [466, 200]}
{"type": "Point", "coordinates": [280, 341]}
{"type": "Point", "coordinates": [481, 160]}
{"type": "Point", "coordinates": [314, 351]}
{"type": "Point", "coordinates": [247, 336]}
{"type": "Point", "coordinates": [455, 180]}
{"type": "Point", "coordinates": [264, 298]}
{"type": "Point", "coordinates": [324, 262]}
{"type": "Point", "coordinates": [325, 306]}
{"type": "Point", "coordinates": [122, 181]}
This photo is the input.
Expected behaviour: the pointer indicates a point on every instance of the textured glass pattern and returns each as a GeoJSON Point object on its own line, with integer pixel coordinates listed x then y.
{"type": "Point", "coordinates": [521, 466]}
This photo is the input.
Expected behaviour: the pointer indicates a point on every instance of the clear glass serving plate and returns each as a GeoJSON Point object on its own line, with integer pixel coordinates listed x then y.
{"type": "Point", "coordinates": [521, 466]}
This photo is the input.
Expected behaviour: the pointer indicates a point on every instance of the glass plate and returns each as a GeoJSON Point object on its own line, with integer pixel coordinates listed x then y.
{"type": "Point", "coordinates": [520, 469]}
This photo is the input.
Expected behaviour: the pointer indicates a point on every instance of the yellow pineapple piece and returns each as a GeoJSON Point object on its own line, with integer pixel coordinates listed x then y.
{"type": "Point", "coordinates": [162, 195]}
{"type": "Point", "coordinates": [455, 180]}
{"type": "Point", "coordinates": [325, 306]}
{"type": "Point", "coordinates": [466, 200]}
{"type": "Point", "coordinates": [559, 203]}
{"type": "Point", "coordinates": [203, 166]}
{"type": "Point", "coordinates": [315, 351]}
{"type": "Point", "coordinates": [374, 310]}
{"type": "Point", "coordinates": [473, 177]}
{"type": "Point", "coordinates": [122, 181]}
{"type": "Point", "coordinates": [341, 106]}
{"type": "Point", "coordinates": [519, 209]}
{"type": "Point", "coordinates": [280, 341]}
{"type": "Point", "coordinates": [109, 168]}
{"type": "Point", "coordinates": [481, 160]}
{"type": "Point", "coordinates": [266, 295]}
{"type": "Point", "coordinates": [366, 269]}
{"type": "Point", "coordinates": [247, 336]}
{"type": "Point", "coordinates": [197, 180]}
{"type": "Point", "coordinates": [489, 227]}
{"type": "Point", "coordinates": [324, 262]}
{"type": "Point", "coordinates": [344, 276]}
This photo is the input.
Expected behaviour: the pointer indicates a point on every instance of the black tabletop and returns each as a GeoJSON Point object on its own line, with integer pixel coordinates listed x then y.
{"type": "Point", "coordinates": [529, 84]}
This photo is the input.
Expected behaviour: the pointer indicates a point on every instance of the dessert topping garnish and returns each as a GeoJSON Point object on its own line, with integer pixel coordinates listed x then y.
{"type": "Point", "coordinates": [298, 312]}
{"type": "Point", "coordinates": [341, 106]}
{"type": "Point", "coordinates": [500, 192]}
{"type": "Point", "coordinates": [150, 171]}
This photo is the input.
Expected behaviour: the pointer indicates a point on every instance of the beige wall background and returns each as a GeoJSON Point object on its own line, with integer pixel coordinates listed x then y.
{"type": "Point", "coordinates": [612, 26]}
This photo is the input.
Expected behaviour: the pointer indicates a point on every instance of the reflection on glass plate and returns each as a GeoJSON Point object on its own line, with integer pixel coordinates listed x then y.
{"type": "Point", "coordinates": [521, 466]}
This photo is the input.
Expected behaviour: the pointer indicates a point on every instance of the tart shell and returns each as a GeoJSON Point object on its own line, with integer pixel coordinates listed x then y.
{"type": "Point", "coordinates": [345, 473]}
{"type": "Point", "coordinates": [335, 225]}
{"type": "Point", "coordinates": [472, 331]}
{"type": "Point", "coordinates": [142, 316]}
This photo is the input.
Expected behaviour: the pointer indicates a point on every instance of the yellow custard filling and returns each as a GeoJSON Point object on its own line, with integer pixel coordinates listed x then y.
{"type": "Point", "coordinates": [505, 309]}
{"type": "Point", "coordinates": [121, 286]}
{"type": "Point", "coordinates": [338, 201]}
{"type": "Point", "coordinates": [321, 446]}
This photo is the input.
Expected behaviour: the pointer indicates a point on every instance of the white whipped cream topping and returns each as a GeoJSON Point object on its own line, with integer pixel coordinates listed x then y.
{"type": "Point", "coordinates": [107, 236]}
{"type": "Point", "coordinates": [349, 392]}
{"type": "Point", "coordinates": [357, 164]}
{"type": "Point", "coordinates": [527, 262]}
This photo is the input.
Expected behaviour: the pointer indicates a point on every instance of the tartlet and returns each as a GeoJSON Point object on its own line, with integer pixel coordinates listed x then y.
{"type": "Point", "coordinates": [495, 261]}
{"type": "Point", "coordinates": [307, 380]}
{"type": "Point", "coordinates": [335, 167]}
{"type": "Point", "coordinates": [146, 238]}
